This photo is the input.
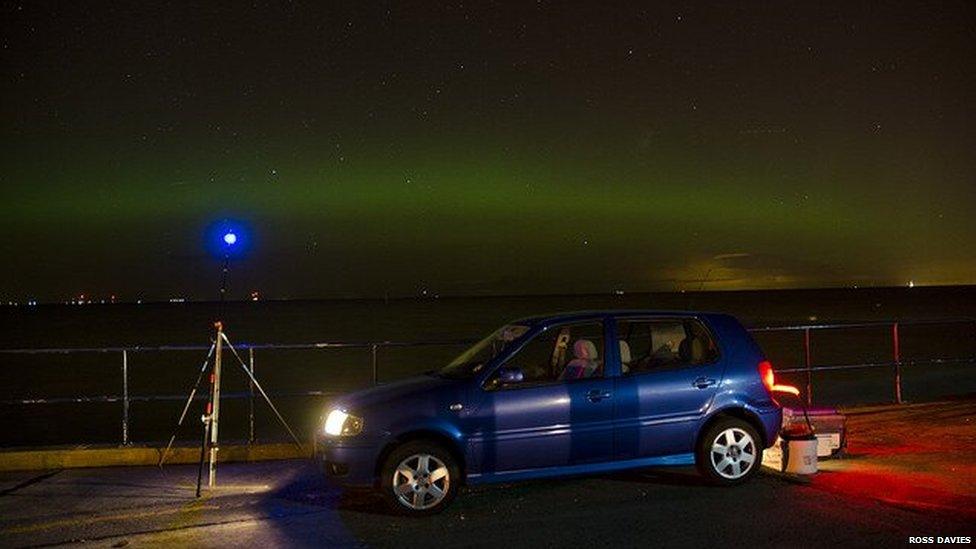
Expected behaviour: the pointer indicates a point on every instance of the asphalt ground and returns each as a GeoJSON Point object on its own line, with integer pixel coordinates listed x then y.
{"type": "Point", "coordinates": [890, 489]}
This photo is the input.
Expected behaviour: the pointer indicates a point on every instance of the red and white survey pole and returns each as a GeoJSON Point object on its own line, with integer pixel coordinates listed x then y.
{"type": "Point", "coordinates": [215, 400]}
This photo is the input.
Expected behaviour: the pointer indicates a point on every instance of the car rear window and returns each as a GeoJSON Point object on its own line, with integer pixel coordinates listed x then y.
{"type": "Point", "coordinates": [657, 344]}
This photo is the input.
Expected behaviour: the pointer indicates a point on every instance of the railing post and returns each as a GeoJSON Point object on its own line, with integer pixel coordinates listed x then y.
{"type": "Point", "coordinates": [125, 397]}
{"type": "Point", "coordinates": [809, 365]}
{"type": "Point", "coordinates": [375, 364]}
{"type": "Point", "coordinates": [250, 408]}
{"type": "Point", "coordinates": [896, 352]}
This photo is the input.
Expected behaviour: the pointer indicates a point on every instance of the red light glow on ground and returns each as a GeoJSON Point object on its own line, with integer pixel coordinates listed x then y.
{"type": "Point", "coordinates": [915, 456]}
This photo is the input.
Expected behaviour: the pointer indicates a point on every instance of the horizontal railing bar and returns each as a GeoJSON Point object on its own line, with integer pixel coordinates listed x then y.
{"type": "Point", "coordinates": [380, 344]}
{"type": "Point", "coordinates": [68, 350]}
{"type": "Point", "coordinates": [158, 398]}
{"type": "Point", "coordinates": [245, 346]}
{"type": "Point", "coordinates": [872, 324]}
{"type": "Point", "coordinates": [913, 362]}
{"type": "Point", "coordinates": [435, 343]}
{"type": "Point", "coordinates": [242, 395]}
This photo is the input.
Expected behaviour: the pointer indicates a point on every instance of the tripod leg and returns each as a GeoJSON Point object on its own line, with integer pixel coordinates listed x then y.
{"type": "Point", "coordinates": [203, 453]}
{"type": "Point", "coordinates": [263, 394]}
{"type": "Point", "coordinates": [186, 407]}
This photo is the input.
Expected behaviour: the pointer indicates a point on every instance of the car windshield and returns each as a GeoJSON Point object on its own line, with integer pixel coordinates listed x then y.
{"type": "Point", "coordinates": [470, 362]}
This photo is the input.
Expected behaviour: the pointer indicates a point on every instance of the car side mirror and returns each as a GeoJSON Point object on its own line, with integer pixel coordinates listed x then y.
{"type": "Point", "coordinates": [512, 374]}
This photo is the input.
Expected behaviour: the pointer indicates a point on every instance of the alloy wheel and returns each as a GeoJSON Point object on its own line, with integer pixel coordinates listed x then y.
{"type": "Point", "coordinates": [421, 481]}
{"type": "Point", "coordinates": [733, 453]}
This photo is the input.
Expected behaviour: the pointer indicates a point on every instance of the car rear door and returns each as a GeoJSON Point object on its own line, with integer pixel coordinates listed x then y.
{"type": "Point", "coordinates": [660, 398]}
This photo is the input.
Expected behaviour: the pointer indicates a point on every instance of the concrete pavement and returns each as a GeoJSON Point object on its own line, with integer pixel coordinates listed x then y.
{"type": "Point", "coordinates": [909, 474]}
{"type": "Point", "coordinates": [286, 503]}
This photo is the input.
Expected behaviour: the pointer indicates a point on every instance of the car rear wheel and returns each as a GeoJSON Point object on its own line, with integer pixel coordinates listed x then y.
{"type": "Point", "coordinates": [419, 478]}
{"type": "Point", "coordinates": [729, 452]}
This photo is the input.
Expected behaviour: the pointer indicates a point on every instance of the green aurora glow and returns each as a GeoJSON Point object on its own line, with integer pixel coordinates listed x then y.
{"type": "Point", "coordinates": [593, 186]}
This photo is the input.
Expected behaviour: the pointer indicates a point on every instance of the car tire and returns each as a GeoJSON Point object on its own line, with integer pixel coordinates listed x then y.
{"type": "Point", "coordinates": [419, 478]}
{"type": "Point", "coordinates": [729, 452]}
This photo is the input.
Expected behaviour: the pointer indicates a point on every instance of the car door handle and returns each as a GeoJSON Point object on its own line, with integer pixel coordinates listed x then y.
{"type": "Point", "coordinates": [703, 382]}
{"type": "Point", "coordinates": [596, 395]}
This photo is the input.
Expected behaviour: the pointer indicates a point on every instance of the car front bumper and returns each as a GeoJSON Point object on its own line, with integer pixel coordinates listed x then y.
{"type": "Point", "coordinates": [351, 463]}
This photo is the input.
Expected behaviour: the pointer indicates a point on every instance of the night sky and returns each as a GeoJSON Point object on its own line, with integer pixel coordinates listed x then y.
{"type": "Point", "coordinates": [377, 148]}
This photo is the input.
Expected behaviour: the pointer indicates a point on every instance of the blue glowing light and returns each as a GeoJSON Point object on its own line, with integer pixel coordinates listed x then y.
{"type": "Point", "coordinates": [229, 238]}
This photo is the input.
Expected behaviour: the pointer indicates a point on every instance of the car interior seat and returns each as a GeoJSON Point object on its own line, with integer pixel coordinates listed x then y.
{"type": "Point", "coordinates": [584, 363]}
{"type": "Point", "coordinates": [692, 350]}
{"type": "Point", "coordinates": [625, 357]}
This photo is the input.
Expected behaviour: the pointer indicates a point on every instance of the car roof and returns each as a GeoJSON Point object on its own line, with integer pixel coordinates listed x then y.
{"type": "Point", "coordinates": [573, 316]}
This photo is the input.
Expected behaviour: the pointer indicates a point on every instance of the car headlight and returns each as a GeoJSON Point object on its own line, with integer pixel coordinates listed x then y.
{"type": "Point", "coordinates": [339, 423]}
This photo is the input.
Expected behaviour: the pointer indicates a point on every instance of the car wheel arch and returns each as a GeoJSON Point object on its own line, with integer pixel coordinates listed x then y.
{"type": "Point", "coordinates": [735, 412]}
{"type": "Point", "coordinates": [438, 437]}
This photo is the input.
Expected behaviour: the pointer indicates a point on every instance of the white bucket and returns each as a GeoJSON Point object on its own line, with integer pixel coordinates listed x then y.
{"type": "Point", "coordinates": [801, 456]}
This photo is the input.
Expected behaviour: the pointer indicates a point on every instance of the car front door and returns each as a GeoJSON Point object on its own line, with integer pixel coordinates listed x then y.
{"type": "Point", "coordinates": [665, 386]}
{"type": "Point", "coordinates": [547, 420]}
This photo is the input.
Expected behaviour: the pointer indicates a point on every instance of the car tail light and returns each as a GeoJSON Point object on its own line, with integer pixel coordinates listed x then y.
{"type": "Point", "coordinates": [766, 374]}
{"type": "Point", "coordinates": [769, 380]}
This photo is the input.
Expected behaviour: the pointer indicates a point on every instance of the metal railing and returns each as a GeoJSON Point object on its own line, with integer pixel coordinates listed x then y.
{"type": "Point", "coordinates": [126, 398]}
{"type": "Point", "coordinates": [808, 368]}
{"type": "Point", "coordinates": [896, 363]}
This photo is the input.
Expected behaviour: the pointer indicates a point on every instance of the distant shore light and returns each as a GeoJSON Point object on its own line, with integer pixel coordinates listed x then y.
{"type": "Point", "coordinates": [230, 239]}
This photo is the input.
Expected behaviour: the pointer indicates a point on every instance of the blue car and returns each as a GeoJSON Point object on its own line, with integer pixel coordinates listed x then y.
{"type": "Point", "coordinates": [563, 394]}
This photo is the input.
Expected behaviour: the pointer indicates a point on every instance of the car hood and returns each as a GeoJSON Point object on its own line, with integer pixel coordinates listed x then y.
{"type": "Point", "coordinates": [397, 392]}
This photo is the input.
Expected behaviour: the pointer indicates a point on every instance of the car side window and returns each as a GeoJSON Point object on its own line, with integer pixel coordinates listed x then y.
{"type": "Point", "coordinates": [562, 353]}
{"type": "Point", "coordinates": [649, 345]}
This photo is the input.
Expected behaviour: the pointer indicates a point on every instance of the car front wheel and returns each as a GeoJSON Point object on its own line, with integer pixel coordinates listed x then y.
{"type": "Point", "coordinates": [419, 478]}
{"type": "Point", "coordinates": [729, 452]}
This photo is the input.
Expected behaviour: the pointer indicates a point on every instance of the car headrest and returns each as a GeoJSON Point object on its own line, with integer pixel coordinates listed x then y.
{"type": "Point", "coordinates": [584, 349]}
{"type": "Point", "coordinates": [624, 352]}
{"type": "Point", "coordinates": [692, 350]}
